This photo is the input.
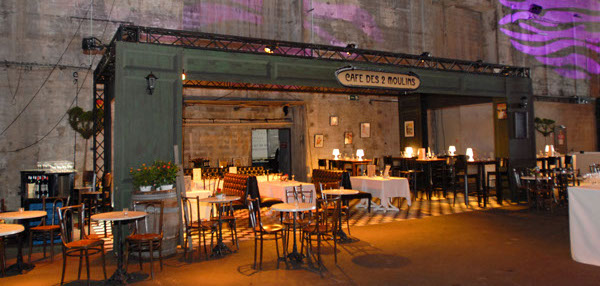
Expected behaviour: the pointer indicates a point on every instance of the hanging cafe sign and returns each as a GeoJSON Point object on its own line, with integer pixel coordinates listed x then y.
{"type": "Point", "coordinates": [353, 77]}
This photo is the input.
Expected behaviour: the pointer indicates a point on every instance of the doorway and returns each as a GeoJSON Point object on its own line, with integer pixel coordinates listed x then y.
{"type": "Point", "coordinates": [271, 149]}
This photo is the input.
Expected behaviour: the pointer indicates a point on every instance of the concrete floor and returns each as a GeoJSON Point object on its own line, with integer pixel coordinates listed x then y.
{"type": "Point", "coordinates": [504, 246]}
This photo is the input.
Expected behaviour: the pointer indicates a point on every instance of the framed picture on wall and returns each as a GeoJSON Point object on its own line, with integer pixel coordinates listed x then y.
{"type": "Point", "coordinates": [333, 120]}
{"type": "Point", "coordinates": [409, 129]}
{"type": "Point", "coordinates": [501, 109]}
{"type": "Point", "coordinates": [347, 138]}
{"type": "Point", "coordinates": [318, 140]}
{"type": "Point", "coordinates": [365, 130]}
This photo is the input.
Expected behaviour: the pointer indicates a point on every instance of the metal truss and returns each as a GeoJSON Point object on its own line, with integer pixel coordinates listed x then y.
{"type": "Point", "coordinates": [207, 41]}
{"type": "Point", "coordinates": [288, 88]}
{"type": "Point", "coordinates": [99, 101]}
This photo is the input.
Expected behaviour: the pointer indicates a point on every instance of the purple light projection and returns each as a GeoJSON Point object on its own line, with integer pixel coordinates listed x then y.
{"type": "Point", "coordinates": [196, 15]}
{"type": "Point", "coordinates": [565, 35]}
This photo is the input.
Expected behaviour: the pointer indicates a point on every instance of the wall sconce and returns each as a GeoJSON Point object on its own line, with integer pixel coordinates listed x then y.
{"type": "Point", "coordinates": [183, 75]}
{"type": "Point", "coordinates": [336, 153]}
{"type": "Point", "coordinates": [360, 153]}
{"type": "Point", "coordinates": [350, 48]}
{"type": "Point", "coordinates": [150, 83]}
{"type": "Point", "coordinates": [451, 150]}
{"type": "Point", "coordinates": [470, 154]}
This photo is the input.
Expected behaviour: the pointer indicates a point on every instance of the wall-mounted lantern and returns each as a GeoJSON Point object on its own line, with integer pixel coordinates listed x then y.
{"type": "Point", "coordinates": [151, 83]}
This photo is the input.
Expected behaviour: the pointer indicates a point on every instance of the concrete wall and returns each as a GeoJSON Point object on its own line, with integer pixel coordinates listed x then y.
{"type": "Point", "coordinates": [468, 126]}
{"type": "Point", "coordinates": [36, 33]}
{"type": "Point", "coordinates": [579, 120]}
{"type": "Point", "coordinates": [217, 142]}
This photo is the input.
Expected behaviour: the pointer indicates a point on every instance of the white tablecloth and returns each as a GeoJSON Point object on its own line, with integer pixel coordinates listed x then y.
{"type": "Point", "coordinates": [204, 207]}
{"type": "Point", "coordinates": [383, 188]}
{"type": "Point", "coordinates": [584, 223]}
{"type": "Point", "coordinates": [277, 189]}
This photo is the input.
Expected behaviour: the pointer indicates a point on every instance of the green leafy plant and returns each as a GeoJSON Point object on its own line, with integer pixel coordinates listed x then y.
{"type": "Point", "coordinates": [544, 126]}
{"type": "Point", "coordinates": [83, 123]}
{"type": "Point", "coordinates": [143, 176]}
{"type": "Point", "coordinates": [166, 172]}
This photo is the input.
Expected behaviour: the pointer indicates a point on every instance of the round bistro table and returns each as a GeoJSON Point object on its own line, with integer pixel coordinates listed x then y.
{"type": "Point", "coordinates": [119, 218]}
{"type": "Point", "coordinates": [220, 249]}
{"type": "Point", "coordinates": [19, 216]}
{"type": "Point", "coordinates": [294, 208]}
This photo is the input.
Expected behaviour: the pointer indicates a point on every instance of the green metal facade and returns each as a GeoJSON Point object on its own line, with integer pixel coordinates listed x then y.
{"type": "Point", "coordinates": [146, 127]}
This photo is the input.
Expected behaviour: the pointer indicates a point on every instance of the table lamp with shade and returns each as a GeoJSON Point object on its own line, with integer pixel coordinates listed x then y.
{"type": "Point", "coordinates": [360, 153]}
{"type": "Point", "coordinates": [451, 150]}
{"type": "Point", "coordinates": [549, 150]}
{"type": "Point", "coordinates": [336, 153]}
{"type": "Point", "coordinates": [469, 154]}
{"type": "Point", "coordinates": [408, 152]}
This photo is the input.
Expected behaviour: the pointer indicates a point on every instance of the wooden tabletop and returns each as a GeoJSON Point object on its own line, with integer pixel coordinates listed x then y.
{"type": "Point", "coordinates": [118, 216]}
{"type": "Point", "coordinates": [215, 200]}
{"type": "Point", "coordinates": [9, 228]}
{"type": "Point", "coordinates": [293, 207]}
{"type": "Point", "coordinates": [23, 215]}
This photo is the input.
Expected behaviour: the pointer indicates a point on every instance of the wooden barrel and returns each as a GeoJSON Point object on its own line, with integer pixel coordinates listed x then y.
{"type": "Point", "coordinates": [171, 218]}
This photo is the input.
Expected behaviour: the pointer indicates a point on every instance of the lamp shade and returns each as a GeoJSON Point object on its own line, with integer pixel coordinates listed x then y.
{"type": "Point", "coordinates": [336, 153]}
{"type": "Point", "coordinates": [470, 154]}
{"type": "Point", "coordinates": [451, 150]}
{"type": "Point", "coordinates": [547, 149]}
{"type": "Point", "coordinates": [360, 153]}
{"type": "Point", "coordinates": [408, 152]}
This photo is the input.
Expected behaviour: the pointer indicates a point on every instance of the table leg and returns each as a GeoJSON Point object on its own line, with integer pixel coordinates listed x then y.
{"type": "Point", "coordinates": [20, 266]}
{"type": "Point", "coordinates": [121, 277]}
{"type": "Point", "coordinates": [220, 249]}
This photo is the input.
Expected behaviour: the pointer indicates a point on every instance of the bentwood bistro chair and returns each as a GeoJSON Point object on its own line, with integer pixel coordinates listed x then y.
{"type": "Point", "coordinates": [82, 247]}
{"type": "Point", "coordinates": [147, 235]}
{"type": "Point", "coordinates": [261, 230]}
{"type": "Point", "coordinates": [48, 227]}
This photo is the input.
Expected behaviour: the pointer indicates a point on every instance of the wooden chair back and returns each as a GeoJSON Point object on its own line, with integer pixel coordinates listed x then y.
{"type": "Point", "coordinates": [150, 223]}
{"type": "Point", "coordinates": [67, 216]}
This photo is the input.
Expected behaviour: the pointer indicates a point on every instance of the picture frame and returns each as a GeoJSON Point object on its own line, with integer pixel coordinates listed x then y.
{"type": "Point", "coordinates": [501, 110]}
{"type": "Point", "coordinates": [365, 130]}
{"type": "Point", "coordinates": [333, 120]}
{"type": "Point", "coordinates": [409, 129]}
{"type": "Point", "coordinates": [318, 140]}
{"type": "Point", "coordinates": [347, 138]}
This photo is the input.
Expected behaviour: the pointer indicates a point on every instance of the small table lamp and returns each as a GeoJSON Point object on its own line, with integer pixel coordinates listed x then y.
{"type": "Point", "coordinates": [360, 153]}
{"type": "Point", "coordinates": [408, 152]}
{"type": "Point", "coordinates": [469, 153]}
{"type": "Point", "coordinates": [451, 150]}
{"type": "Point", "coordinates": [336, 153]}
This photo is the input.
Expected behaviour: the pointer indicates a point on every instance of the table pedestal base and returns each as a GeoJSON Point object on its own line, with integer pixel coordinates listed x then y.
{"type": "Point", "coordinates": [120, 277]}
{"type": "Point", "coordinates": [220, 250]}
{"type": "Point", "coordinates": [18, 268]}
{"type": "Point", "coordinates": [385, 205]}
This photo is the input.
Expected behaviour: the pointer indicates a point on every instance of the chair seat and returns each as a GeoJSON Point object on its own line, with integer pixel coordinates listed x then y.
{"type": "Point", "coordinates": [85, 243]}
{"type": "Point", "coordinates": [204, 224]}
{"type": "Point", "coordinates": [223, 217]}
{"type": "Point", "coordinates": [144, 236]}
{"type": "Point", "coordinates": [270, 228]}
{"type": "Point", "coordinates": [45, 228]}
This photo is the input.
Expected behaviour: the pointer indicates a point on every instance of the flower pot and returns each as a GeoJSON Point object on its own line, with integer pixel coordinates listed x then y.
{"type": "Point", "coordinates": [145, 188]}
{"type": "Point", "coordinates": [165, 187]}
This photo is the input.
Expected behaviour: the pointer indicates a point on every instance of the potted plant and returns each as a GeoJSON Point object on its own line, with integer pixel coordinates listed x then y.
{"type": "Point", "coordinates": [166, 174]}
{"type": "Point", "coordinates": [544, 126]}
{"type": "Point", "coordinates": [143, 177]}
{"type": "Point", "coordinates": [83, 123]}
{"type": "Point", "coordinates": [219, 194]}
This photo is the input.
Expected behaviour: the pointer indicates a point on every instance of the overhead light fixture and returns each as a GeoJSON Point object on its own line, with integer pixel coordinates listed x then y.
{"type": "Point", "coordinates": [92, 46]}
{"type": "Point", "coordinates": [270, 49]}
{"type": "Point", "coordinates": [183, 75]}
{"type": "Point", "coordinates": [424, 55]}
{"type": "Point", "coordinates": [535, 9]}
{"type": "Point", "coordinates": [150, 83]}
{"type": "Point", "coordinates": [350, 47]}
